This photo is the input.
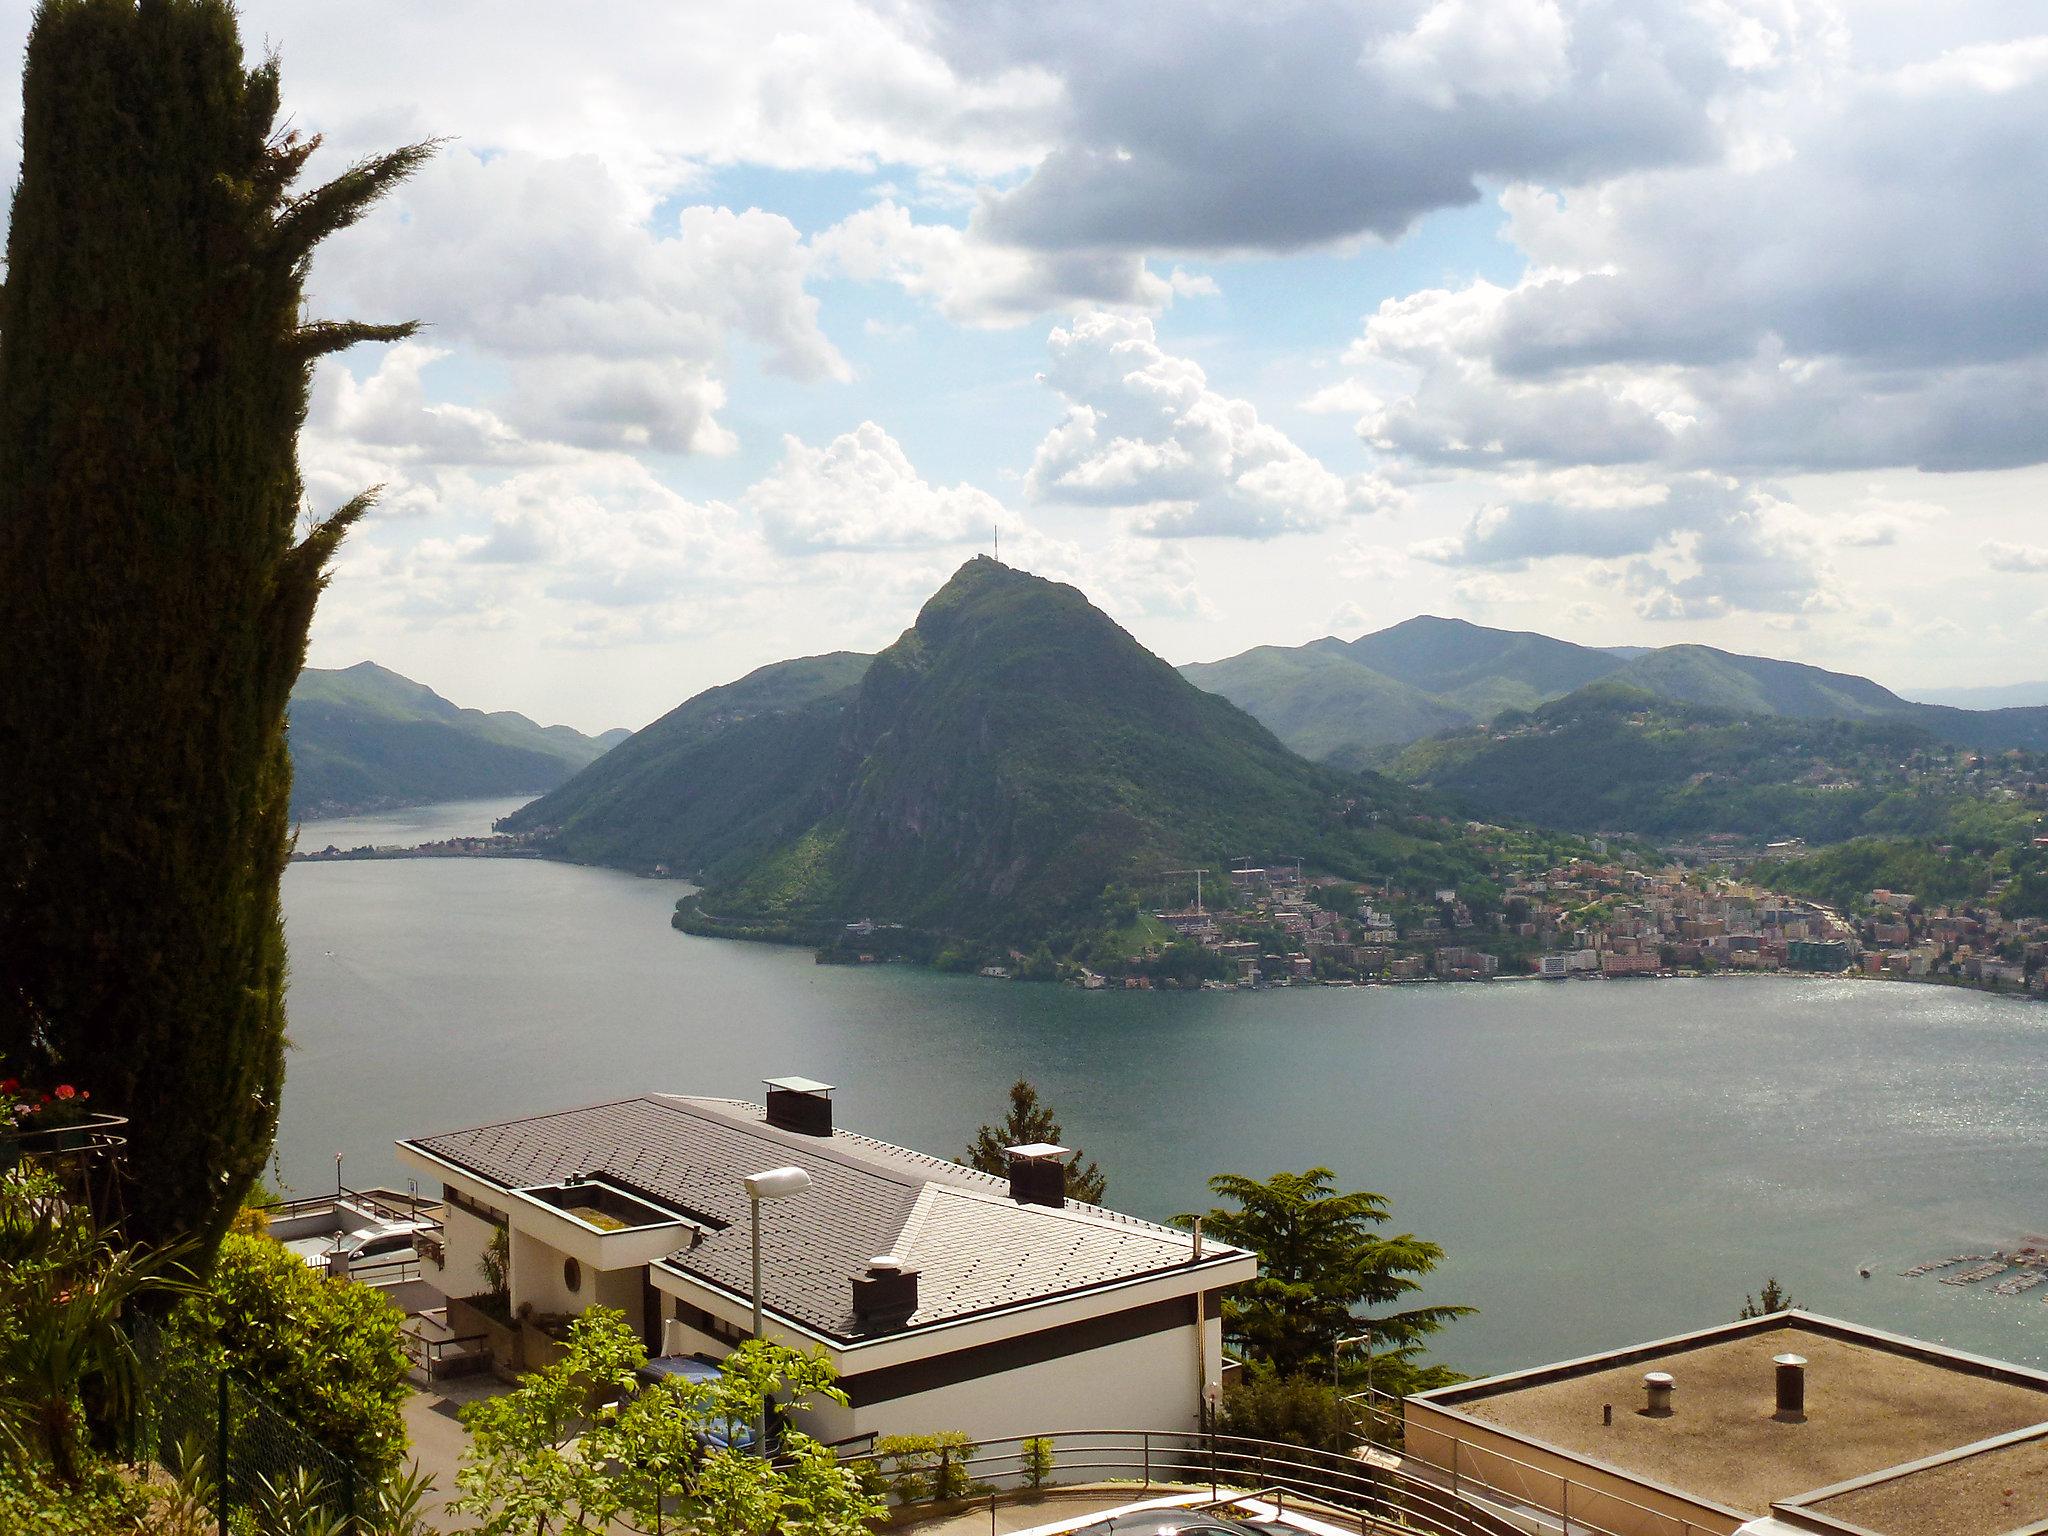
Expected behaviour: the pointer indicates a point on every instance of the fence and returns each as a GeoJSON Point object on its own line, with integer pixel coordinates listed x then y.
{"type": "Point", "coordinates": [1487, 1474]}
{"type": "Point", "coordinates": [1378, 1497]}
{"type": "Point", "coordinates": [195, 1417]}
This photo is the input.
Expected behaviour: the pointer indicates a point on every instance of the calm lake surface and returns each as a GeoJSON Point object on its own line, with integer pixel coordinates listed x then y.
{"type": "Point", "coordinates": [1605, 1162]}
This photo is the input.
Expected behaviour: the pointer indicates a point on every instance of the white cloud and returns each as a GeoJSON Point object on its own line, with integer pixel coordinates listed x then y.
{"type": "Point", "coordinates": [611, 331]}
{"type": "Point", "coordinates": [979, 282]}
{"type": "Point", "coordinates": [1861, 295]}
{"type": "Point", "coordinates": [1145, 433]}
{"type": "Point", "coordinates": [1696, 546]}
{"type": "Point", "coordinates": [859, 491]}
{"type": "Point", "coordinates": [2002, 556]}
{"type": "Point", "coordinates": [1233, 128]}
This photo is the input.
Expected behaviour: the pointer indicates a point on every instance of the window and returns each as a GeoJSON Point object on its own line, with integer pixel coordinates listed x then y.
{"type": "Point", "coordinates": [572, 1276]}
{"type": "Point", "coordinates": [704, 1322]}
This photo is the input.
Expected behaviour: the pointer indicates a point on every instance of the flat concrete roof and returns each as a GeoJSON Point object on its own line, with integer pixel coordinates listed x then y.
{"type": "Point", "coordinates": [1985, 1493]}
{"type": "Point", "coordinates": [1872, 1402]}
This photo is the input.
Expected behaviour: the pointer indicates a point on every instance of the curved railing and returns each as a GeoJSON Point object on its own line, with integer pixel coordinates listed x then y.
{"type": "Point", "coordinates": [1234, 1468]}
{"type": "Point", "coordinates": [1490, 1475]}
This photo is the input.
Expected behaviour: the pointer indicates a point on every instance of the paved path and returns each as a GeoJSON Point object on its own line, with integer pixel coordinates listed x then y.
{"type": "Point", "coordinates": [438, 1439]}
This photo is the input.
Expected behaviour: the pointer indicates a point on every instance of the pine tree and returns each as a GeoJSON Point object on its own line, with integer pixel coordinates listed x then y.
{"type": "Point", "coordinates": [156, 579]}
{"type": "Point", "coordinates": [1031, 1123]}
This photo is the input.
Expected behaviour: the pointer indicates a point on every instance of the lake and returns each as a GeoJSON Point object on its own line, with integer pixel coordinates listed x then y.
{"type": "Point", "coordinates": [1605, 1162]}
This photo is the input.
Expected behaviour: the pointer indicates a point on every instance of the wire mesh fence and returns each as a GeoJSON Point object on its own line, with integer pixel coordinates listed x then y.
{"type": "Point", "coordinates": [195, 1420]}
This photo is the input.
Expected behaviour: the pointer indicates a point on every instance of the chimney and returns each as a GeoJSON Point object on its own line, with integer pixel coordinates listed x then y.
{"type": "Point", "coordinates": [1791, 1388]}
{"type": "Point", "coordinates": [1658, 1385]}
{"type": "Point", "coordinates": [1038, 1174]}
{"type": "Point", "coordinates": [885, 1295]}
{"type": "Point", "coordinates": [800, 1105]}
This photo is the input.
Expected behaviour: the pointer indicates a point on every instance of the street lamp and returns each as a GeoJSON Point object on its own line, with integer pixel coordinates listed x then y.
{"type": "Point", "coordinates": [774, 1184]}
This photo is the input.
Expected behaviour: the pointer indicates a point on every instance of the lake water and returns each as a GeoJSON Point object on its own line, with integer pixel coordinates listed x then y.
{"type": "Point", "coordinates": [1605, 1162]}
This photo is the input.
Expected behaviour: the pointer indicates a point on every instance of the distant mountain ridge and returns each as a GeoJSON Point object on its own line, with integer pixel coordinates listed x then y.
{"type": "Point", "coordinates": [1428, 674]}
{"type": "Point", "coordinates": [364, 738]}
{"type": "Point", "coordinates": [997, 772]}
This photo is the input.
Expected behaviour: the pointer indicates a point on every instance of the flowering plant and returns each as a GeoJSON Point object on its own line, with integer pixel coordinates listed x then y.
{"type": "Point", "coordinates": [23, 1108]}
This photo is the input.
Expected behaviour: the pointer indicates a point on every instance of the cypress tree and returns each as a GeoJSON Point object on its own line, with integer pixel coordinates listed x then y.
{"type": "Point", "coordinates": [157, 577]}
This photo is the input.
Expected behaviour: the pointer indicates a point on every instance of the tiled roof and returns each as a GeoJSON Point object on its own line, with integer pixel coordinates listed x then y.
{"type": "Point", "coordinates": [976, 1249]}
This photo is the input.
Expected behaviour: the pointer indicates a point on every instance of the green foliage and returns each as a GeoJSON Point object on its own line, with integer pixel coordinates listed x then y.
{"type": "Point", "coordinates": [1772, 1298]}
{"type": "Point", "coordinates": [1614, 756]}
{"type": "Point", "coordinates": [328, 1353]}
{"type": "Point", "coordinates": [67, 1360]}
{"type": "Point", "coordinates": [1039, 1458]}
{"type": "Point", "coordinates": [1292, 1410]}
{"type": "Point", "coordinates": [931, 1466]}
{"type": "Point", "coordinates": [156, 581]}
{"type": "Point", "coordinates": [1844, 877]}
{"type": "Point", "coordinates": [1031, 1123]}
{"type": "Point", "coordinates": [494, 1265]}
{"type": "Point", "coordinates": [102, 1502]}
{"type": "Point", "coordinates": [1320, 1260]}
{"type": "Point", "coordinates": [365, 737]}
{"type": "Point", "coordinates": [577, 1446]}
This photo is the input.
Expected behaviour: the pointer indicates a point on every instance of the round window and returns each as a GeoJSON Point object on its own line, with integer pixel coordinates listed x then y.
{"type": "Point", "coordinates": [572, 1276]}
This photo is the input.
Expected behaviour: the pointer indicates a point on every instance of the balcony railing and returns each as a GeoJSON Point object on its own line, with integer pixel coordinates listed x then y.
{"type": "Point", "coordinates": [1234, 1468]}
{"type": "Point", "coordinates": [1527, 1493]}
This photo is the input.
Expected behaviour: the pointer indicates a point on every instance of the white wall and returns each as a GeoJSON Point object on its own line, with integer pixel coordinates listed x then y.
{"type": "Point", "coordinates": [1143, 1383]}
{"type": "Point", "coordinates": [464, 1238]}
{"type": "Point", "coordinates": [537, 1277]}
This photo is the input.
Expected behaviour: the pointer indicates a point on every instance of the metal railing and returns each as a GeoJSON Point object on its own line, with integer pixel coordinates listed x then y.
{"type": "Point", "coordinates": [1573, 1506]}
{"type": "Point", "coordinates": [1379, 1497]}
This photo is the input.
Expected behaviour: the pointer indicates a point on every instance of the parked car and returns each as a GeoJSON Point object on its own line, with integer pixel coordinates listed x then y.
{"type": "Point", "coordinates": [735, 1434]}
{"type": "Point", "coordinates": [1178, 1522]}
{"type": "Point", "coordinates": [365, 1248]}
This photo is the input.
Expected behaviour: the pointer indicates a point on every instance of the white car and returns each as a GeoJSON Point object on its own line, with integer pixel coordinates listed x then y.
{"type": "Point", "coordinates": [364, 1248]}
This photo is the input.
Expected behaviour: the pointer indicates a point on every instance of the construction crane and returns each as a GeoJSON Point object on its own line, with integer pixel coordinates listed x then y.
{"type": "Point", "coordinates": [1197, 873]}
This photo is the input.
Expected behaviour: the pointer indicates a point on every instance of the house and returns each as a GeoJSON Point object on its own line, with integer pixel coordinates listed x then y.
{"type": "Point", "coordinates": [946, 1298]}
{"type": "Point", "coordinates": [1790, 1424]}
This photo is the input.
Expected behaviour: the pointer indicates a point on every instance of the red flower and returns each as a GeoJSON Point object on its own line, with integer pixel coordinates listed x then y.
{"type": "Point", "coordinates": [10, 1085]}
{"type": "Point", "coordinates": [66, 1091]}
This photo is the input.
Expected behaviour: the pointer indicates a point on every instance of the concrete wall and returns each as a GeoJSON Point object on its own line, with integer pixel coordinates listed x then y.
{"type": "Point", "coordinates": [537, 1277]}
{"type": "Point", "coordinates": [463, 1238]}
{"type": "Point", "coordinates": [1143, 1383]}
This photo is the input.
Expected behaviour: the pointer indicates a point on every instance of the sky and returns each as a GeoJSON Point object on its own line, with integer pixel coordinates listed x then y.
{"type": "Point", "coordinates": [1630, 321]}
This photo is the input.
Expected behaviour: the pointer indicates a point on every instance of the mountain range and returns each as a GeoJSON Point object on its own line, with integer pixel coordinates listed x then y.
{"type": "Point", "coordinates": [1011, 768]}
{"type": "Point", "coordinates": [1350, 703]}
{"type": "Point", "coordinates": [363, 738]}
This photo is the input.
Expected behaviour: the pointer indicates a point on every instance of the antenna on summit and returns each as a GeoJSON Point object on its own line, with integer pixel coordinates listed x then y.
{"type": "Point", "coordinates": [997, 529]}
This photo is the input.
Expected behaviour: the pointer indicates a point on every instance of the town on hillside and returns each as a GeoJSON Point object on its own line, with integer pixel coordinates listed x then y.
{"type": "Point", "coordinates": [1585, 918]}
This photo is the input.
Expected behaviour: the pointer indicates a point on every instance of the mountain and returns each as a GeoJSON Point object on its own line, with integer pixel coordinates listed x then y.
{"type": "Point", "coordinates": [1994, 696]}
{"type": "Point", "coordinates": [364, 738]}
{"type": "Point", "coordinates": [999, 771]}
{"type": "Point", "coordinates": [1613, 756]}
{"type": "Point", "coordinates": [1481, 671]}
{"type": "Point", "coordinates": [719, 778]}
{"type": "Point", "coordinates": [1349, 717]}
{"type": "Point", "coordinates": [1322, 703]}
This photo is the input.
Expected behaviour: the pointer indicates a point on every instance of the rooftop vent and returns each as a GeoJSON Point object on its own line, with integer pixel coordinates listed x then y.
{"type": "Point", "coordinates": [1038, 1174]}
{"type": "Point", "coordinates": [800, 1105]}
{"type": "Point", "coordinates": [1658, 1385]}
{"type": "Point", "coordinates": [885, 1295]}
{"type": "Point", "coordinates": [1791, 1387]}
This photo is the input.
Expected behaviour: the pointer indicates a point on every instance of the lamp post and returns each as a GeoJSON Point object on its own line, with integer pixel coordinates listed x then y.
{"type": "Point", "coordinates": [774, 1184]}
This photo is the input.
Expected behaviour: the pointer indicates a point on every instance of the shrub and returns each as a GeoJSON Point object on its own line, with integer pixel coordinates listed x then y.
{"type": "Point", "coordinates": [1038, 1461]}
{"type": "Point", "coordinates": [928, 1466]}
{"type": "Point", "coordinates": [1291, 1410]}
{"type": "Point", "coordinates": [327, 1352]}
